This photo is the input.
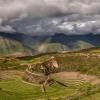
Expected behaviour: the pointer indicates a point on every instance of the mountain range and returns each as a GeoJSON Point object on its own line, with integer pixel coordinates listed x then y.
{"type": "Point", "coordinates": [13, 43]}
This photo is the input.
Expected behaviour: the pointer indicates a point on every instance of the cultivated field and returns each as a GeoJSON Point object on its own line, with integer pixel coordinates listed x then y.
{"type": "Point", "coordinates": [79, 71]}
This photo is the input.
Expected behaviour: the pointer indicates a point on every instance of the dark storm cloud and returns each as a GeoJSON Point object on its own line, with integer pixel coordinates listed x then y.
{"type": "Point", "coordinates": [82, 13]}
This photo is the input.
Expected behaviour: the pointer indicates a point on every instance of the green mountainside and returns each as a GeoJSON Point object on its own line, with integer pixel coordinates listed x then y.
{"type": "Point", "coordinates": [13, 47]}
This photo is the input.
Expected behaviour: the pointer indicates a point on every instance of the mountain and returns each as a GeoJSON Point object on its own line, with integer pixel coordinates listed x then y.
{"type": "Point", "coordinates": [24, 44]}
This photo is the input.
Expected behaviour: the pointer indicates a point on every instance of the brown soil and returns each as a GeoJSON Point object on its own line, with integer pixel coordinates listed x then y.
{"type": "Point", "coordinates": [10, 73]}
{"type": "Point", "coordinates": [77, 76]}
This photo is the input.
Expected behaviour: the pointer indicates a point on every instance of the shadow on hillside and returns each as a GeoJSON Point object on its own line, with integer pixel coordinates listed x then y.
{"type": "Point", "coordinates": [68, 40]}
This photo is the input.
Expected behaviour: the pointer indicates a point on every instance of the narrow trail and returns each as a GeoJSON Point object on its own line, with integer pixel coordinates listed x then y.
{"type": "Point", "coordinates": [33, 73]}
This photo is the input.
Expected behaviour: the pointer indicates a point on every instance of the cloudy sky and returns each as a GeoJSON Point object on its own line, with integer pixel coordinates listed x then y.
{"type": "Point", "coordinates": [50, 16]}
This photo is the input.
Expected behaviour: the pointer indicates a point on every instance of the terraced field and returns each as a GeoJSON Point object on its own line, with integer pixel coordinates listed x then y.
{"type": "Point", "coordinates": [14, 88]}
{"type": "Point", "coordinates": [79, 71]}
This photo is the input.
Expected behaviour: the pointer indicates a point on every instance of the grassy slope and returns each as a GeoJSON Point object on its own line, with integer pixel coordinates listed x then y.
{"type": "Point", "coordinates": [12, 47]}
{"type": "Point", "coordinates": [9, 47]}
{"type": "Point", "coordinates": [52, 47]}
{"type": "Point", "coordinates": [76, 61]}
{"type": "Point", "coordinates": [92, 97]}
{"type": "Point", "coordinates": [15, 89]}
{"type": "Point", "coordinates": [82, 45]}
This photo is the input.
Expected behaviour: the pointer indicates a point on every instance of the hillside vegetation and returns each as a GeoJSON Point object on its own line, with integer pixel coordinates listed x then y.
{"type": "Point", "coordinates": [12, 87]}
{"type": "Point", "coordinates": [24, 44]}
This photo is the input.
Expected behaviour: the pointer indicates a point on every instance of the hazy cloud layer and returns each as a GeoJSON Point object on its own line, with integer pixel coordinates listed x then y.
{"type": "Point", "coordinates": [80, 14]}
{"type": "Point", "coordinates": [41, 8]}
{"type": "Point", "coordinates": [6, 28]}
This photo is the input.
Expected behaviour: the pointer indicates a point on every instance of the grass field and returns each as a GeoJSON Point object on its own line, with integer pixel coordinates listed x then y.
{"type": "Point", "coordinates": [12, 87]}
{"type": "Point", "coordinates": [16, 89]}
{"type": "Point", "coordinates": [92, 97]}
